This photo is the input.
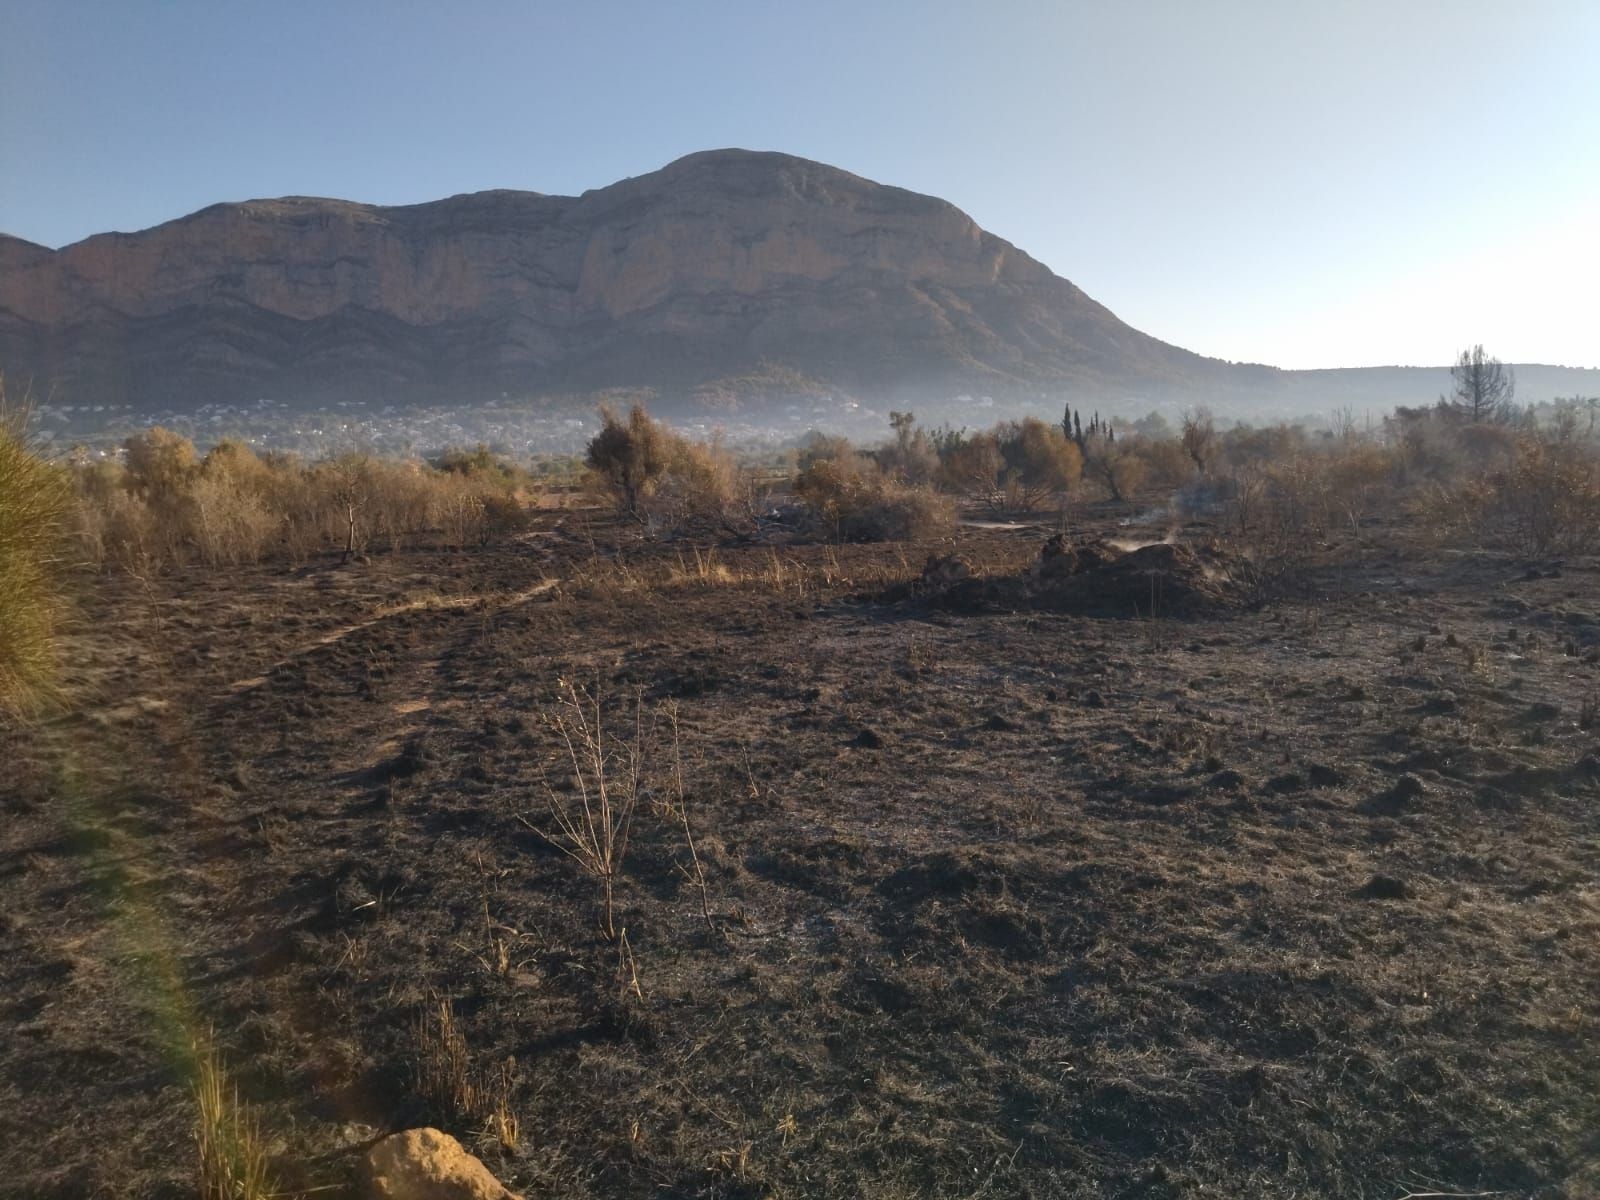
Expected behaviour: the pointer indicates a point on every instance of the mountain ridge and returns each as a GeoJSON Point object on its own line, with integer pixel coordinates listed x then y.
{"type": "Point", "coordinates": [722, 265]}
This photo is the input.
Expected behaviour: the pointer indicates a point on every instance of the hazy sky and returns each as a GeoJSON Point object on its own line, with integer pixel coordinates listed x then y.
{"type": "Point", "coordinates": [1306, 184]}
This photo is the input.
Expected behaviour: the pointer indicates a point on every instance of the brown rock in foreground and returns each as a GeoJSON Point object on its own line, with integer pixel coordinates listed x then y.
{"type": "Point", "coordinates": [425, 1164]}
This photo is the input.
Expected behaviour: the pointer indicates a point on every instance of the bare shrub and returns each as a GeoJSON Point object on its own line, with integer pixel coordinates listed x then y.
{"type": "Point", "coordinates": [663, 479]}
{"type": "Point", "coordinates": [972, 467]}
{"type": "Point", "coordinates": [1018, 466]}
{"type": "Point", "coordinates": [1040, 463]}
{"type": "Point", "coordinates": [159, 462]}
{"type": "Point", "coordinates": [1275, 518]}
{"type": "Point", "coordinates": [230, 523]}
{"type": "Point", "coordinates": [504, 516]}
{"type": "Point", "coordinates": [591, 819]}
{"type": "Point", "coordinates": [401, 500]}
{"type": "Point", "coordinates": [235, 507]}
{"type": "Point", "coordinates": [1548, 502]}
{"type": "Point", "coordinates": [701, 485]}
{"type": "Point", "coordinates": [456, 507]}
{"type": "Point", "coordinates": [911, 456]}
{"type": "Point", "coordinates": [1359, 478]}
{"type": "Point", "coordinates": [1166, 465]}
{"type": "Point", "coordinates": [1198, 439]}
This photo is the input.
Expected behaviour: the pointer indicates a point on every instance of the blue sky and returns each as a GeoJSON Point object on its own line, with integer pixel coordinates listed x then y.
{"type": "Point", "coordinates": [1330, 184]}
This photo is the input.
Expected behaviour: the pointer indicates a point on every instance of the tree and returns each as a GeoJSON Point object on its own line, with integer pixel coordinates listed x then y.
{"type": "Point", "coordinates": [1112, 462]}
{"type": "Point", "coordinates": [911, 457]}
{"type": "Point", "coordinates": [1199, 435]}
{"type": "Point", "coordinates": [1039, 462]}
{"type": "Point", "coordinates": [629, 457]}
{"type": "Point", "coordinates": [1483, 389]}
{"type": "Point", "coordinates": [159, 461]}
{"type": "Point", "coordinates": [350, 487]}
{"type": "Point", "coordinates": [973, 468]}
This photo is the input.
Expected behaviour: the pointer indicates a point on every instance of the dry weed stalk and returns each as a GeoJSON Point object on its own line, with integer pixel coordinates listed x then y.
{"type": "Point", "coordinates": [699, 875]}
{"type": "Point", "coordinates": [496, 957]}
{"type": "Point", "coordinates": [627, 969]}
{"type": "Point", "coordinates": [592, 829]}
{"type": "Point", "coordinates": [231, 1158]}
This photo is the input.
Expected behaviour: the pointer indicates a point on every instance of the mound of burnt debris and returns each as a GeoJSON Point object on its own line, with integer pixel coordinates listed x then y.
{"type": "Point", "coordinates": [1087, 576]}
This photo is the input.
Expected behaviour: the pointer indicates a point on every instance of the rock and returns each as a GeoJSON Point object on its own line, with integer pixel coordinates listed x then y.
{"type": "Point", "coordinates": [867, 739]}
{"type": "Point", "coordinates": [1540, 713]}
{"type": "Point", "coordinates": [1397, 800]}
{"type": "Point", "coordinates": [1061, 556]}
{"type": "Point", "coordinates": [940, 571]}
{"type": "Point", "coordinates": [1384, 887]}
{"type": "Point", "coordinates": [1407, 787]}
{"type": "Point", "coordinates": [425, 1164]}
{"type": "Point", "coordinates": [1321, 775]}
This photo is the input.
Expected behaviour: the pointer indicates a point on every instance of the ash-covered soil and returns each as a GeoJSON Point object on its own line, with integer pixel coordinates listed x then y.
{"type": "Point", "coordinates": [1005, 899]}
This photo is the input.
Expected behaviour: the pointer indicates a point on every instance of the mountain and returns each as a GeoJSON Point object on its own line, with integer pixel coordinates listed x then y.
{"type": "Point", "coordinates": [723, 278]}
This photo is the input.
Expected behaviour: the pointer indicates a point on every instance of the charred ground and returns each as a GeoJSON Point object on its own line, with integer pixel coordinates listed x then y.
{"type": "Point", "coordinates": [1005, 900]}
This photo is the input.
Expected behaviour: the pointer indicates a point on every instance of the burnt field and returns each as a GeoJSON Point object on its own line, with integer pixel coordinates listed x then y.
{"type": "Point", "coordinates": [959, 887]}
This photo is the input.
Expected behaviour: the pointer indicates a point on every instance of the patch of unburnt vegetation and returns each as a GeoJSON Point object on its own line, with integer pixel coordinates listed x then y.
{"type": "Point", "coordinates": [35, 511]}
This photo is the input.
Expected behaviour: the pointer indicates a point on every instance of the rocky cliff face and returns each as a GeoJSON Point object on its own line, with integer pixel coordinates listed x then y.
{"type": "Point", "coordinates": [722, 265]}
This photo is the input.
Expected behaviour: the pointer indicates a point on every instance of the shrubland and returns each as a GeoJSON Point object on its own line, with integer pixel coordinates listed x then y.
{"type": "Point", "coordinates": [164, 505]}
{"type": "Point", "coordinates": [1523, 479]}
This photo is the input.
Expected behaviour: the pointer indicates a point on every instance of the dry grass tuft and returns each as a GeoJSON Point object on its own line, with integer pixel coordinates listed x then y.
{"type": "Point", "coordinates": [454, 1091]}
{"type": "Point", "coordinates": [231, 1158]}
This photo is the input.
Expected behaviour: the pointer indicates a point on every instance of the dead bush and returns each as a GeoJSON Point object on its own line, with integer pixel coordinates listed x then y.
{"type": "Point", "coordinates": [1546, 502]}
{"type": "Point", "coordinates": [230, 523]}
{"type": "Point", "coordinates": [701, 485]}
{"type": "Point", "coordinates": [1018, 466]}
{"type": "Point", "coordinates": [1166, 465]}
{"type": "Point", "coordinates": [854, 502]}
{"type": "Point", "coordinates": [159, 462]}
{"type": "Point", "coordinates": [910, 457]}
{"type": "Point", "coordinates": [1553, 501]}
{"type": "Point", "coordinates": [1274, 518]}
{"type": "Point", "coordinates": [457, 509]}
{"type": "Point", "coordinates": [1113, 463]}
{"type": "Point", "coordinates": [663, 479]}
{"type": "Point", "coordinates": [455, 1091]}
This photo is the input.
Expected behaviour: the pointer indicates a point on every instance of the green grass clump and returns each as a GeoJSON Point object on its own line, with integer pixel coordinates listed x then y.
{"type": "Point", "coordinates": [35, 504]}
